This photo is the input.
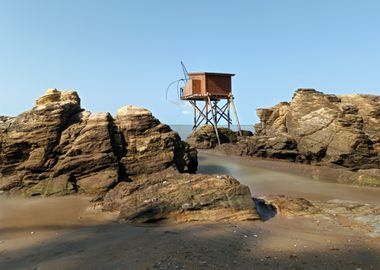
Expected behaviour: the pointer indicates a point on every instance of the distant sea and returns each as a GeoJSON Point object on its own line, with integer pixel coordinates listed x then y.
{"type": "Point", "coordinates": [185, 130]}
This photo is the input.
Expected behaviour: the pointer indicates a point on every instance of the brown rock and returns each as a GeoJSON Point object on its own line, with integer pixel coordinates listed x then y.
{"type": "Point", "coordinates": [291, 207]}
{"type": "Point", "coordinates": [205, 137]}
{"type": "Point", "coordinates": [95, 152]}
{"type": "Point", "coordinates": [173, 197]}
{"type": "Point", "coordinates": [134, 162]}
{"type": "Point", "coordinates": [320, 129]}
{"type": "Point", "coordinates": [151, 146]}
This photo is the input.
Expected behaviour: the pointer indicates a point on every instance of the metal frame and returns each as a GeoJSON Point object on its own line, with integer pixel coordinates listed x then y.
{"type": "Point", "coordinates": [212, 113]}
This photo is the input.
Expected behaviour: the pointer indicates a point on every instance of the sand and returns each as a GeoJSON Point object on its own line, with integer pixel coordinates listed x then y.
{"type": "Point", "coordinates": [68, 233]}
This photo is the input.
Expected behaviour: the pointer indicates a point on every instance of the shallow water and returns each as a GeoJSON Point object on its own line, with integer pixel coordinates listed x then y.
{"type": "Point", "coordinates": [264, 181]}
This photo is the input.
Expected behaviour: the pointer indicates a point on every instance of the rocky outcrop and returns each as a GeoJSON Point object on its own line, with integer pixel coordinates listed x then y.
{"type": "Point", "coordinates": [169, 197]}
{"type": "Point", "coordinates": [133, 162]}
{"type": "Point", "coordinates": [205, 137]}
{"type": "Point", "coordinates": [318, 128]}
{"type": "Point", "coordinates": [352, 214]}
{"type": "Point", "coordinates": [58, 148]}
{"type": "Point", "coordinates": [150, 146]}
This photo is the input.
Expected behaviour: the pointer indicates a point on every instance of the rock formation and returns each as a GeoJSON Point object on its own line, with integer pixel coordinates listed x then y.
{"type": "Point", "coordinates": [352, 214]}
{"type": "Point", "coordinates": [133, 161]}
{"type": "Point", "coordinates": [172, 197]}
{"type": "Point", "coordinates": [204, 137]}
{"type": "Point", "coordinates": [318, 128]}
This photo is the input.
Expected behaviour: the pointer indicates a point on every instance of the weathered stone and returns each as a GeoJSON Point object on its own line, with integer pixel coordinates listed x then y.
{"type": "Point", "coordinates": [320, 129]}
{"type": "Point", "coordinates": [58, 186]}
{"type": "Point", "coordinates": [99, 182]}
{"type": "Point", "coordinates": [352, 214]}
{"type": "Point", "coordinates": [172, 197]}
{"type": "Point", "coordinates": [205, 137]}
{"type": "Point", "coordinates": [93, 150]}
{"type": "Point", "coordinates": [291, 207]}
{"type": "Point", "coordinates": [151, 146]}
{"type": "Point", "coordinates": [134, 162]}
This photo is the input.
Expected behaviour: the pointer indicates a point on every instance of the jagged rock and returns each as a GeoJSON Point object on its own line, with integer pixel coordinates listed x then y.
{"type": "Point", "coordinates": [151, 146]}
{"type": "Point", "coordinates": [94, 151]}
{"type": "Point", "coordinates": [356, 215]}
{"type": "Point", "coordinates": [169, 197]}
{"type": "Point", "coordinates": [320, 129]}
{"type": "Point", "coordinates": [28, 141]}
{"type": "Point", "coordinates": [133, 161]}
{"type": "Point", "coordinates": [291, 207]}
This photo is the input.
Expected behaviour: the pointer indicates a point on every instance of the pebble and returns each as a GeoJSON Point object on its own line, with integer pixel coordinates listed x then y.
{"type": "Point", "coordinates": [31, 232]}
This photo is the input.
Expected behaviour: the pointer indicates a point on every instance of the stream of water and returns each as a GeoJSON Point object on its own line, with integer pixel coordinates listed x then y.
{"type": "Point", "coordinates": [265, 181]}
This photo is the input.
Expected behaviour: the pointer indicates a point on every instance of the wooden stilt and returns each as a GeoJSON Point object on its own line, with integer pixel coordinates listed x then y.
{"type": "Point", "coordinates": [236, 115]}
{"type": "Point", "coordinates": [195, 114]}
{"type": "Point", "coordinates": [215, 124]}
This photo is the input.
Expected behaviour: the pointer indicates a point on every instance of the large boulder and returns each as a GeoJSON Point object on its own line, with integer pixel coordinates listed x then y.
{"type": "Point", "coordinates": [169, 197]}
{"type": "Point", "coordinates": [321, 129]}
{"type": "Point", "coordinates": [151, 146]}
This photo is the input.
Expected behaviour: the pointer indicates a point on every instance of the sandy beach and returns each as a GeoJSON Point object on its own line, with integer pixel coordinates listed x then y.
{"type": "Point", "coordinates": [69, 233]}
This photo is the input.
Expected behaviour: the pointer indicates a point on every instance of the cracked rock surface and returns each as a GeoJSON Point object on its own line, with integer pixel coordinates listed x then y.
{"type": "Point", "coordinates": [58, 148]}
{"type": "Point", "coordinates": [318, 128]}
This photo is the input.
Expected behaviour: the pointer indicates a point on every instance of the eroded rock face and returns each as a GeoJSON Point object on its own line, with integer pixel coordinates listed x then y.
{"type": "Point", "coordinates": [151, 146]}
{"type": "Point", "coordinates": [173, 197]}
{"type": "Point", "coordinates": [319, 128]}
{"type": "Point", "coordinates": [133, 162]}
{"type": "Point", "coordinates": [58, 148]}
{"type": "Point", "coordinates": [352, 214]}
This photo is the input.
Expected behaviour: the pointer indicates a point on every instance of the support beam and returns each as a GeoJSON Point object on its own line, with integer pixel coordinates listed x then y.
{"type": "Point", "coordinates": [211, 113]}
{"type": "Point", "coordinates": [236, 115]}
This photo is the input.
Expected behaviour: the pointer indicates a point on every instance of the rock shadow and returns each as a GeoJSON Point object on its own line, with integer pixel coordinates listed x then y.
{"type": "Point", "coordinates": [195, 246]}
{"type": "Point", "coordinates": [265, 210]}
{"type": "Point", "coordinates": [213, 169]}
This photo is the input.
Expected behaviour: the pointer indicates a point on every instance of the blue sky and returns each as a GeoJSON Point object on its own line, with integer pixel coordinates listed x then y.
{"type": "Point", "coordinates": [116, 53]}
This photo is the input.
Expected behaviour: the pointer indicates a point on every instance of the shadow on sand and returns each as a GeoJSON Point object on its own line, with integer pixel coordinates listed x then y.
{"type": "Point", "coordinates": [189, 246]}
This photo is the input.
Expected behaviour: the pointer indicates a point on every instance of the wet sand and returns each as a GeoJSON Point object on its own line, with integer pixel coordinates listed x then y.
{"type": "Point", "coordinates": [67, 233]}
